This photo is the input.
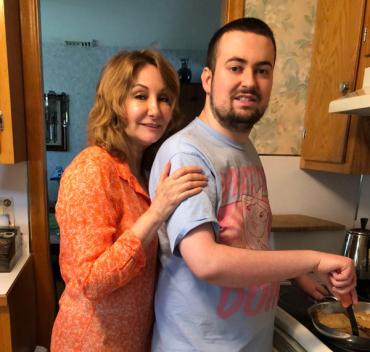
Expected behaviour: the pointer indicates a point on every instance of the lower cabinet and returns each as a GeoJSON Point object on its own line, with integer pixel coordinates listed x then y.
{"type": "Point", "coordinates": [18, 313]}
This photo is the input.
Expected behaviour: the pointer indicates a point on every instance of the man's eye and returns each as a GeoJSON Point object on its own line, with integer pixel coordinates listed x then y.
{"type": "Point", "coordinates": [263, 71]}
{"type": "Point", "coordinates": [235, 68]}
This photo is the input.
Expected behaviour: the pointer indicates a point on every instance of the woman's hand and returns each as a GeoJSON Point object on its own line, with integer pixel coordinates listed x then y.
{"type": "Point", "coordinates": [172, 190]}
{"type": "Point", "coordinates": [310, 287]}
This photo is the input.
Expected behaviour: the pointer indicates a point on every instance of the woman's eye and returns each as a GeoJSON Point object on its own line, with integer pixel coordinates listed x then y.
{"type": "Point", "coordinates": [165, 99]}
{"type": "Point", "coordinates": [140, 96]}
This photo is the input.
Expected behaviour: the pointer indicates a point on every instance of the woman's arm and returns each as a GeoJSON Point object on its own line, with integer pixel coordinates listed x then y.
{"type": "Point", "coordinates": [88, 217]}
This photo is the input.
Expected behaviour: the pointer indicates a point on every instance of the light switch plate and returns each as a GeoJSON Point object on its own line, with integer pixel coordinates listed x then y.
{"type": "Point", "coordinates": [6, 206]}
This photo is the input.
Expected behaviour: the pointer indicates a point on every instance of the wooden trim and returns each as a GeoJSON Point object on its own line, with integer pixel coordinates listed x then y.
{"type": "Point", "coordinates": [37, 193]}
{"type": "Point", "coordinates": [232, 10]}
{"type": "Point", "coordinates": [5, 331]}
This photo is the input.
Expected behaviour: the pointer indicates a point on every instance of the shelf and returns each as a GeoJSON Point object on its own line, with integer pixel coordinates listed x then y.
{"type": "Point", "coordinates": [302, 223]}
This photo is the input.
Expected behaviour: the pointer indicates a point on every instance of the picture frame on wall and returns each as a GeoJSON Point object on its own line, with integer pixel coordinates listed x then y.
{"type": "Point", "coordinates": [56, 121]}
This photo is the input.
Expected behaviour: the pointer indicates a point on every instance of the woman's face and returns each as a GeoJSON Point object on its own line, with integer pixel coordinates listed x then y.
{"type": "Point", "coordinates": [148, 107]}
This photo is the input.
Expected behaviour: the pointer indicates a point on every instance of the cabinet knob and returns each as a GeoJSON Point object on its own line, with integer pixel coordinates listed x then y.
{"type": "Point", "coordinates": [1, 122]}
{"type": "Point", "coordinates": [343, 87]}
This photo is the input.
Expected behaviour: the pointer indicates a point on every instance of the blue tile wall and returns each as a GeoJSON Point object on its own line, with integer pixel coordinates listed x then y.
{"type": "Point", "coordinates": [75, 71]}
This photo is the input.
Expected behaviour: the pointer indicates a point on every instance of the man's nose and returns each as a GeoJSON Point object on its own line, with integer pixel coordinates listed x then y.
{"type": "Point", "coordinates": [248, 78]}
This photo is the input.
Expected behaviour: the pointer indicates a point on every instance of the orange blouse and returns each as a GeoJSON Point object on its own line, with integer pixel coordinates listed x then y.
{"type": "Point", "coordinates": [107, 304]}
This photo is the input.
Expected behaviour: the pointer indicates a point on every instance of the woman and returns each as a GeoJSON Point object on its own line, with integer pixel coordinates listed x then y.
{"type": "Point", "coordinates": [108, 242]}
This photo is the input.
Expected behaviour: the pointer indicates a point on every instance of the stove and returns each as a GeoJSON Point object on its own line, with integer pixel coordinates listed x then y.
{"type": "Point", "coordinates": [294, 302]}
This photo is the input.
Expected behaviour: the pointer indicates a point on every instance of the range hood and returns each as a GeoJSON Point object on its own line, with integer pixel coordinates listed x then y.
{"type": "Point", "coordinates": [354, 103]}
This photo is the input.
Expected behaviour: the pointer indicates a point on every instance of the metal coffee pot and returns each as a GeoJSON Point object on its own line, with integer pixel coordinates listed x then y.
{"type": "Point", "coordinates": [357, 247]}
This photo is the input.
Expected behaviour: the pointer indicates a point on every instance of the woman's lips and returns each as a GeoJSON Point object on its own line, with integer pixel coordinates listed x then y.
{"type": "Point", "coordinates": [151, 125]}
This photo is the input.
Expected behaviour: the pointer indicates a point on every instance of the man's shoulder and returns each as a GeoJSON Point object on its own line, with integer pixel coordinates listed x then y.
{"type": "Point", "coordinates": [185, 140]}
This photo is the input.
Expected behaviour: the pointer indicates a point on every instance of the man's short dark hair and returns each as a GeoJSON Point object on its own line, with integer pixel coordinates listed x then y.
{"type": "Point", "coordinates": [246, 24]}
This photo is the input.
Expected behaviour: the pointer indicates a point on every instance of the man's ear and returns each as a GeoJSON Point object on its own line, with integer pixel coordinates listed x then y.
{"type": "Point", "coordinates": [206, 78]}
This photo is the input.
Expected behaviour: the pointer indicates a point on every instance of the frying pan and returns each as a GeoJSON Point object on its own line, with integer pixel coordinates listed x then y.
{"type": "Point", "coordinates": [341, 338]}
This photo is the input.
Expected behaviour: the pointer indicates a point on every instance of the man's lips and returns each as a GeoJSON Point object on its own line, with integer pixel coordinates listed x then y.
{"type": "Point", "coordinates": [246, 98]}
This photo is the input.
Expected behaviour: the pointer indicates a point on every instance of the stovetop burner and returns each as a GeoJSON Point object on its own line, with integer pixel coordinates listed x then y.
{"type": "Point", "coordinates": [296, 303]}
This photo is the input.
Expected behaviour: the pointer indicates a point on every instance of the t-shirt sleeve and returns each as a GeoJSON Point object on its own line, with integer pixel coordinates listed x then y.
{"type": "Point", "coordinates": [194, 211]}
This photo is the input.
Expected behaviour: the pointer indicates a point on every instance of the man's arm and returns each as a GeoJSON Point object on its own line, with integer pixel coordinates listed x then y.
{"type": "Point", "coordinates": [235, 267]}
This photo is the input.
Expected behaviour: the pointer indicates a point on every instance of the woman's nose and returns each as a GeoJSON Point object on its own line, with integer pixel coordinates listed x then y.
{"type": "Point", "coordinates": [153, 107]}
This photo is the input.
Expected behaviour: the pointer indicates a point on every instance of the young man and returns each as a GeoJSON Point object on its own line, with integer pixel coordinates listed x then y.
{"type": "Point", "coordinates": [219, 282]}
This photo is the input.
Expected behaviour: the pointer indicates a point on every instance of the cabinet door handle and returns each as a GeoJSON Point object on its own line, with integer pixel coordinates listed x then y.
{"type": "Point", "coordinates": [1, 122]}
{"type": "Point", "coordinates": [343, 87]}
{"type": "Point", "coordinates": [1, 129]}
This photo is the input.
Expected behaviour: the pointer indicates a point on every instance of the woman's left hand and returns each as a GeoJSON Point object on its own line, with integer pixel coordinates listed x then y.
{"type": "Point", "coordinates": [310, 287]}
{"type": "Point", "coordinates": [172, 190]}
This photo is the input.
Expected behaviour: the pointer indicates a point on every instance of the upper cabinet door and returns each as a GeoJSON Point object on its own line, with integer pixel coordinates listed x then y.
{"type": "Point", "coordinates": [12, 122]}
{"type": "Point", "coordinates": [335, 55]}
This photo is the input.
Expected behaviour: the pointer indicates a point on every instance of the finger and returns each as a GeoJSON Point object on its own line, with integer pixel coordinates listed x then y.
{"type": "Point", "coordinates": [343, 290]}
{"type": "Point", "coordinates": [322, 290]}
{"type": "Point", "coordinates": [192, 184]}
{"type": "Point", "coordinates": [165, 172]}
{"type": "Point", "coordinates": [187, 170]}
{"type": "Point", "coordinates": [318, 295]}
{"type": "Point", "coordinates": [191, 177]}
{"type": "Point", "coordinates": [189, 193]}
{"type": "Point", "coordinates": [342, 283]}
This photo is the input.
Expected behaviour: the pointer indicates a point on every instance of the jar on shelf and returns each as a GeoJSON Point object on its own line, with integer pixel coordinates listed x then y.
{"type": "Point", "coordinates": [184, 71]}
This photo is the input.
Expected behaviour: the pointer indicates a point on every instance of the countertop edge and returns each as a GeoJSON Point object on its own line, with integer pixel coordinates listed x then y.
{"type": "Point", "coordinates": [8, 279]}
{"type": "Point", "coordinates": [302, 223]}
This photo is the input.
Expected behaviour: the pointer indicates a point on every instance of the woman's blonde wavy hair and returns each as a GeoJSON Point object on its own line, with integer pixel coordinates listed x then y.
{"type": "Point", "coordinates": [106, 122]}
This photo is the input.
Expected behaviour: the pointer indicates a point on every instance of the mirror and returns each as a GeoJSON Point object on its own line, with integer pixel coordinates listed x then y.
{"type": "Point", "coordinates": [78, 36]}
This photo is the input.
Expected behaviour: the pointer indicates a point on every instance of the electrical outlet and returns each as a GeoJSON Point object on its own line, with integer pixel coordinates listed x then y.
{"type": "Point", "coordinates": [6, 207]}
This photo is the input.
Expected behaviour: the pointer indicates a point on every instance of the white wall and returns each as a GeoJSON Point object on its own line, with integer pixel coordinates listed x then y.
{"type": "Point", "coordinates": [13, 184]}
{"type": "Point", "coordinates": [321, 194]}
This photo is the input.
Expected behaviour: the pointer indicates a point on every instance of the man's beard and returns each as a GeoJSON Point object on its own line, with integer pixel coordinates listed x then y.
{"type": "Point", "coordinates": [236, 122]}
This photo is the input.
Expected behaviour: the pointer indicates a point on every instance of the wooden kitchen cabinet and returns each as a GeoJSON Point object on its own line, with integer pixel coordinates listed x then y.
{"type": "Point", "coordinates": [12, 121]}
{"type": "Point", "coordinates": [18, 312]}
{"type": "Point", "coordinates": [337, 142]}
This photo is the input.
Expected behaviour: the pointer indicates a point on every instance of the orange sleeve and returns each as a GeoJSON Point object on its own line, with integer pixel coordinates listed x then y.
{"type": "Point", "coordinates": [88, 216]}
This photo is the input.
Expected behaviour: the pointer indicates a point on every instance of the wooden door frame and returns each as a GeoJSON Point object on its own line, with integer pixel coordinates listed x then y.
{"type": "Point", "coordinates": [232, 10]}
{"type": "Point", "coordinates": [37, 180]}
{"type": "Point", "coordinates": [36, 156]}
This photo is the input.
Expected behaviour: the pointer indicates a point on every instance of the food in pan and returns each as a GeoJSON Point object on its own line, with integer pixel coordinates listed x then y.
{"type": "Point", "coordinates": [339, 321]}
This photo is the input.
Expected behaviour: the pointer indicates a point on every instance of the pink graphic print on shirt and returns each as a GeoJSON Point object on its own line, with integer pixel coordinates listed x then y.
{"type": "Point", "coordinates": [245, 222]}
{"type": "Point", "coordinates": [244, 215]}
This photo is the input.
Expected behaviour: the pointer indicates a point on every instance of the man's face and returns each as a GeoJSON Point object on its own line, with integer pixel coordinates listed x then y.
{"type": "Point", "coordinates": [242, 79]}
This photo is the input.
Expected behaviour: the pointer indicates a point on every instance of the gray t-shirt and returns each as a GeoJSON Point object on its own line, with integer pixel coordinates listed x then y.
{"type": "Point", "coordinates": [191, 314]}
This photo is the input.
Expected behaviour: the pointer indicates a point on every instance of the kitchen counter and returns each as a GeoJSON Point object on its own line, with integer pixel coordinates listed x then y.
{"type": "Point", "coordinates": [302, 223]}
{"type": "Point", "coordinates": [8, 279]}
